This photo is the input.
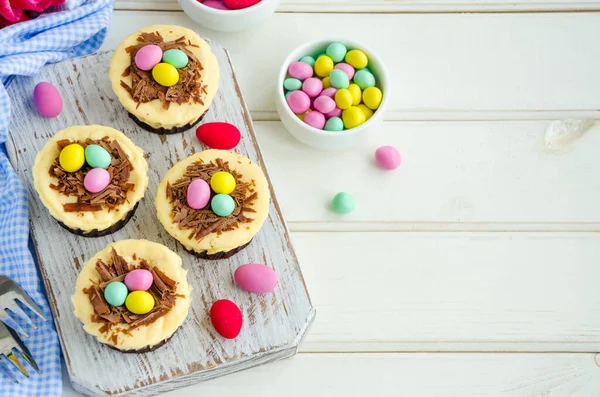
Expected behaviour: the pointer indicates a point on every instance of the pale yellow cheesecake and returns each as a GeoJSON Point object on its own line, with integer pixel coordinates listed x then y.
{"type": "Point", "coordinates": [117, 326]}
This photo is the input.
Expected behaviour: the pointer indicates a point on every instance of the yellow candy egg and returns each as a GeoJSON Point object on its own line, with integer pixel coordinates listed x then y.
{"type": "Point", "coordinates": [72, 157]}
{"type": "Point", "coordinates": [139, 302]}
{"type": "Point", "coordinates": [372, 97]}
{"type": "Point", "coordinates": [222, 182]}
{"type": "Point", "coordinates": [357, 59]}
{"type": "Point", "coordinates": [323, 66]}
{"type": "Point", "coordinates": [301, 116]}
{"type": "Point", "coordinates": [165, 74]}
{"type": "Point", "coordinates": [353, 117]}
{"type": "Point", "coordinates": [367, 112]}
{"type": "Point", "coordinates": [356, 93]}
{"type": "Point", "coordinates": [326, 82]}
{"type": "Point", "coordinates": [343, 98]}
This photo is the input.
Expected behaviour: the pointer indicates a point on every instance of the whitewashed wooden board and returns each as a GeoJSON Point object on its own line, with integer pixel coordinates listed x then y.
{"type": "Point", "coordinates": [274, 323]}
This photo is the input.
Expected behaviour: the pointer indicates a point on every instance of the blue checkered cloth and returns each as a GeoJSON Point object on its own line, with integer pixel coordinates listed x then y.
{"type": "Point", "coordinates": [76, 28]}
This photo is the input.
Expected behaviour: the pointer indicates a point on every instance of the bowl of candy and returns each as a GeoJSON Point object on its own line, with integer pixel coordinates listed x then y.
{"type": "Point", "coordinates": [331, 93]}
{"type": "Point", "coordinates": [228, 15]}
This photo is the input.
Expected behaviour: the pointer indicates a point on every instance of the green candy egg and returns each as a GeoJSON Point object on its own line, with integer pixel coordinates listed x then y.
{"type": "Point", "coordinates": [222, 204]}
{"type": "Point", "coordinates": [308, 59]}
{"type": "Point", "coordinates": [343, 203]}
{"type": "Point", "coordinates": [334, 124]}
{"type": "Point", "coordinates": [364, 79]}
{"type": "Point", "coordinates": [339, 79]}
{"type": "Point", "coordinates": [336, 51]}
{"type": "Point", "coordinates": [175, 58]}
{"type": "Point", "coordinates": [97, 157]}
{"type": "Point", "coordinates": [292, 84]}
{"type": "Point", "coordinates": [115, 293]}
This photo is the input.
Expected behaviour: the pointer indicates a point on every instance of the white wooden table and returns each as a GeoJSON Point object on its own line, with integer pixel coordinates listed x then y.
{"type": "Point", "coordinates": [473, 270]}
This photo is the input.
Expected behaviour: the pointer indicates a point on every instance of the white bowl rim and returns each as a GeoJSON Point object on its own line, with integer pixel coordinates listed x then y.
{"type": "Point", "coordinates": [355, 45]}
{"type": "Point", "coordinates": [216, 11]}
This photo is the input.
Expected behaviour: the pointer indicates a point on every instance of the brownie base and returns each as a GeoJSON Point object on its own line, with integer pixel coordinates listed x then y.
{"type": "Point", "coordinates": [218, 255]}
{"type": "Point", "coordinates": [103, 232]}
{"type": "Point", "coordinates": [166, 131]}
{"type": "Point", "coordinates": [145, 349]}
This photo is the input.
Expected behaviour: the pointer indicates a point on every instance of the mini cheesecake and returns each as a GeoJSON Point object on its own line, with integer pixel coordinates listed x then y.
{"type": "Point", "coordinates": [64, 195]}
{"type": "Point", "coordinates": [201, 231]}
{"type": "Point", "coordinates": [117, 326]}
{"type": "Point", "coordinates": [159, 108]}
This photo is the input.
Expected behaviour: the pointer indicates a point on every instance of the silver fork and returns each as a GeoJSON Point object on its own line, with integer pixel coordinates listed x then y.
{"type": "Point", "coordinates": [10, 292]}
{"type": "Point", "coordinates": [9, 342]}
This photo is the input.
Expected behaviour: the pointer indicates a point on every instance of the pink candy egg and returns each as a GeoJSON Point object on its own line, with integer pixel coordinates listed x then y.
{"type": "Point", "coordinates": [312, 87]}
{"type": "Point", "coordinates": [47, 99]}
{"type": "Point", "coordinates": [256, 278]}
{"type": "Point", "coordinates": [349, 70]}
{"type": "Point", "coordinates": [324, 104]}
{"type": "Point", "coordinates": [139, 280]}
{"type": "Point", "coordinates": [330, 92]}
{"type": "Point", "coordinates": [148, 56]}
{"type": "Point", "coordinates": [337, 112]}
{"type": "Point", "coordinates": [198, 194]}
{"type": "Point", "coordinates": [315, 119]}
{"type": "Point", "coordinates": [388, 157]}
{"type": "Point", "coordinates": [300, 70]}
{"type": "Point", "coordinates": [96, 180]}
{"type": "Point", "coordinates": [298, 101]}
{"type": "Point", "coordinates": [217, 4]}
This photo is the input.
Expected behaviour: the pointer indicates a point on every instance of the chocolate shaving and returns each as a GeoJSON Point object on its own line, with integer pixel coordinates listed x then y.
{"type": "Point", "coordinates": [105, 272]}
{"type": "Point", "coordinates": [97, 301]}
{"type": "Point", "coordinates": [202, 222]}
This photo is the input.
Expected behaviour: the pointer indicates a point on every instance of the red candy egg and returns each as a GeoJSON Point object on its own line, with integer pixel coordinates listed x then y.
{"type": "Point", "coordinates": [219, 135]}
{"type": "Point", "coordinates": [239, 4]}
{"type": "Point", "coordinates": [226, 317]}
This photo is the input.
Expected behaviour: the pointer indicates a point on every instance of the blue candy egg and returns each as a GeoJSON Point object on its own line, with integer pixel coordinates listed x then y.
{"type": "Point", "coordinates": [222, 204]}
{"type": "Point", "coordinates": [115, 293]}
{"type": "Point", "coordinates": [175, 58]}
{"type": "Point", "coordinates": [97, 157]}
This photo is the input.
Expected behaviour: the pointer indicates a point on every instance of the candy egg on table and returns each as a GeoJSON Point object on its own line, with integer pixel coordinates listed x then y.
{"type": "Point", "coordinates": [222, 182]}
{"type": "Point", "coordinates": [96, 180]}
{"type": "Point", "coordinates": [148, 56]}
{"type": "Point", "coordinates": [219, 135]}
{"type": "Point", "coordinates": [323, 66]}
{"type": "Point", "coordinates": [115, 293]}
{"type": "Point", "coordinates": [72, 157]}
{"type": "Point", "coordinates": [176, 58]}
{"type": "Point", "coordinates": [388, 157]}
{"type": "Point", "coordinates": [165, 74]}
{"type": "Point", "coordinates": [300, 70]}
{"type": "Point", "coordinates": [343, 203]}
{"type": "Point", "coordinates": [255, 277]}
{"type": "Point", "coordinates": [227, 318]}
{"type": "Point", "coordinates": [97, 157]}
{"type": "Point", "coordinates": [139, 280]}
{"type": "Point", "coordinates": [139, 302]}
{"type": "Point", "coordinates": [222, 204]}
{"type": "Point", "coordinates": [47, 99]}
{"type": "Point", "coordinates": [198, 194]}
{"type": "Point", "coordinates": [312, 87]}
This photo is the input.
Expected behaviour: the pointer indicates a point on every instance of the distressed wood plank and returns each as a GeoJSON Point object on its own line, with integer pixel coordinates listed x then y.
{"type": "Point", "coordinates": [274, 322]}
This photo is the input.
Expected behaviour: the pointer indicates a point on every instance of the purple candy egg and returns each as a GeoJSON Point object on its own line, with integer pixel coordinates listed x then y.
{"type": "Point", "coordinates": [315, 119]}
{"type": "Point", "coordinates": [312, 87]}
{"type": "Point", "coordinates": [388, 157]}
{"type": "Point", "coordinates": [330, 92]}
{"type": "Point", "coordinates": [256, 278]}
{"type": "Point", "coordinates": [139, 280]}
{"type": "Point", "coordinates": [148, 56]}
{"type": "Point", "coordinates": [96, 180]}
{"type": "Point", "coordinates": [47, 99]}
{"type": "Point", "coordinates": [300, 70]}
{"type": "Point", "coordinates": [198, 194]}
{"type": "Point", "coordinates": [337, 112]}
{"type": "Point", "coordinates": [298, 101]}
{"type": "Point", "coordinates": [349, 70]}
{"type": "Point", "coordinates": [324, 104]}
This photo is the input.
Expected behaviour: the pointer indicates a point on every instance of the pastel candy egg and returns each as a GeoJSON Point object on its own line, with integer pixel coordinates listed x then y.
{"type": "Point", "coordinates": [337, 112]}
{"type": "Point", "coordinates": [343, 203]}
{"type": "Point", "coordinates": [326, 82]}
{"type": "Point", "coordinates": [312, 87]}
{"type": "Point", "coordinates": [256, 278]}
{"type": "Point", "coordinates": [139, 302]}
{"type": "Point", "coordinates": [301, 116]}
{"type": "Point", "coordinates": [96, 180]}
{"type": "Point", "coordinates": [308, 59]}
{"type": "Point", "coordinates": [219, 135]}
{"type": "Point", "coordinates": [388, 157]}
{"type": "Point", "coordinates": [292, 84]}
{"type": "Point", "coordinates": [222, 204]}
{"type": "Point", "coordinates": [175, 57]}
{"type": "Point", "coordinates": [339, 79]}
{"type": "Point", "coordinates": [330, 92]}
{"type": "Point", "coordinates": [115, 293]}
{"type": "Point", "coordinates": [343, 98]}
{"type": "Point", "coordinates": [298, 102]}
{"type": "Point", "coordinates": [165, 74]}
{"type": "Point", "coordinates": [222, 182]}
{"type": "Point", "coordinates": [367, 112]}
{"type": "Point", "coordinates": [356, 93]}
{"type": "Point", "coordinates": [357, 59]}
{"type": "Point", "coordinates": [198, 194]}
{"type": "Point", "coordinates": [148, 56]}
{"type": "Point", "coordinates": [97, 157]}
{"type": "Point", "coordinates": [323, 66]}
{"type": "Point", "coordinates": [300, 70]}
{"type": "Point", "coordinates": [47, 99]}
{"type": "Point", "coordinates": [372, 97]}
{"type": "Point", "coordinates": [364, 79]}
{"type": "Point", "coordinates": [315, 119]}
{"type": "Point", "coordinates": [349, 70]}
{"type": "Point", "coordinates": [353, 117]}
{"type": "Point", "coordinates": [287, 94]}
{"type": "Point", "coordinates": [139, 280]}
{"type": "Point", "coordinates": [336, 51]}
{"type": "Point", "coordinates": [72, 157]}
{"type": "Point", "coordinates": [324, 104]}
{"type": "Point", "coordinates": [334, 124]}
{"type": "Point", "coordinates": [226, 317]}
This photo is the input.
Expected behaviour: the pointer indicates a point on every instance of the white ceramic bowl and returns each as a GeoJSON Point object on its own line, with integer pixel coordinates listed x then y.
{"type": "Point", "coordinates": [331, 140]}
{"type": "Point", "coordinates": [228, 20]}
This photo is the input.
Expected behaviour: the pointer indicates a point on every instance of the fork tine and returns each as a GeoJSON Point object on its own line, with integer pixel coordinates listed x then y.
{"type": "Point", "coordinates": [6, 369]}
{"type": "Point", "coordinates": [15, 361]}
{"type": "Point", "coordinates": [21, 348]}
{"type": "Point", "coordinates": [29, 303]}
{"type": "Point", "coordinates": [20, 313]}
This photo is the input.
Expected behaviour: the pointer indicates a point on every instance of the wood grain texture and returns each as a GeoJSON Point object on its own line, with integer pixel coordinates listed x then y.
{"type": "Point", "coordinates": [274, 323]}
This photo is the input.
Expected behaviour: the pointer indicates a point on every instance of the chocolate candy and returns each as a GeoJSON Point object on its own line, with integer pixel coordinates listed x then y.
{"type": "Point", "coordinates": [176, 58]}
{"type": "Point", "coordinates": [388, 157]}
{"type": "Point", "coordinates": [336, 51]}
{"type": "Point", "coordinates": [343, 203]}
{"type": "Point", "coordinates": [372, 97]}
{"type": "Point", "coordinates": [139, 280]}
{"type": "Point", "coordinates": [334, 124]}
{"type": "Point", "coordinates": [222, 182]}
{"type": "Point", "coordinates": [226, 317]}
{"type": "Point", "coordinates": [198, 194]}
{"type": "Point", "coordinates": [47, 99]}
{"type": "Point", "coordinates": [353, 117]}
{"type": "Point", "coordinates": [219, 135]}
{"type": "Point", "coordinates": [115, 293]}
{"type": "Point", "coordinates": [339, 79]}
{"type": "Point", "coordinates": [96, 180]}
{"type": "Point", "coordinates": [256, 278]}
{"type": "Point", "coordinates": [300, 70]}
{"type": "Point", "coordinates": [148, 56]}
{"type": "Point", "coordinates": [222, 204]}
{"type": "Point", "coordinates": [139, 302]}
{"type": "Point", "coordinates": [71, 157]}
{"type": "Point", "coordinates": [165, 74]}
{"type": "Point", "coordinates": [97, 157]}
